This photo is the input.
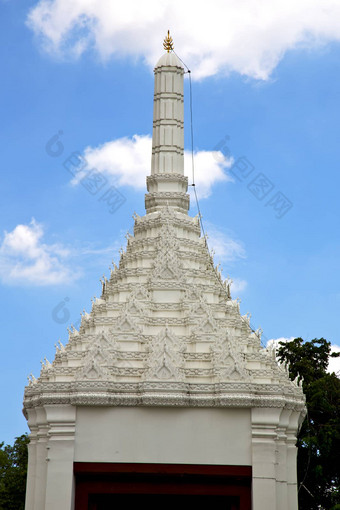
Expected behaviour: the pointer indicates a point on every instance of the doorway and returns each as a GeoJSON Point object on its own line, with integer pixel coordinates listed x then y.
{"type": "Point", "coordinates": [106, 486]}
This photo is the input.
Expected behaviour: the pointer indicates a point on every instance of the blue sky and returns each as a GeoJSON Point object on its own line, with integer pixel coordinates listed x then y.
{"type": "Point", "coordinates": [266, 104]}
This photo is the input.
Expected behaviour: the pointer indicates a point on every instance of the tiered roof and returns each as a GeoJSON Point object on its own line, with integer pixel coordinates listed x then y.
{"type": "Point", "coordinates": [165, 331]}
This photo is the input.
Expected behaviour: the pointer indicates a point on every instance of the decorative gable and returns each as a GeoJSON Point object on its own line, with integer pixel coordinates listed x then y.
{"type": "Point", "coordinates": [166, 358]}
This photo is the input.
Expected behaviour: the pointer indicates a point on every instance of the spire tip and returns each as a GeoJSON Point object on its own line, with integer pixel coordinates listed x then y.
{"type": "Point", "coordinates": [168, 43]}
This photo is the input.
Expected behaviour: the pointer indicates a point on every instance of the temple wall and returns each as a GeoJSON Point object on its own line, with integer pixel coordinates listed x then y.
{"type": "Point", "coordinates": [163, 435]}
{"type": "Point", "coordinates": [263, 438]}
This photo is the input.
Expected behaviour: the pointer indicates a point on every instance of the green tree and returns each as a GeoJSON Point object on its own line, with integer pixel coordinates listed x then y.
{"type": "Point", "coordinates": [13, 471]}
{"type": "Point", "coordinates": [318, 440]}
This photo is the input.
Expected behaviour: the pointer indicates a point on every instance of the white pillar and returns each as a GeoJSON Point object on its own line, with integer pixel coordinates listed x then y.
{"type": "Point", "coordinates": [264, 424]}
{"type": "Point", "coordinates": [37, 467]}
{"type": "Point", "coordinates": [168, 117]}
{"type": "Point", "coordinates": [291, 460]}
{"type": "Point", "coordinates": [167, 185]}
{"type": "Point", "coordinates": [60, 457]}
{"type": "Point", "coordinates": [32, 459]}
{"type": "Point", "coordinates": [51, 455]}
{"type": "Point", "coordinates": [281, 461]}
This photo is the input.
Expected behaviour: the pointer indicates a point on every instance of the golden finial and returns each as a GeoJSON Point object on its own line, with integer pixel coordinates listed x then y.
{"type": "Point", "coordinates": [168, 43]}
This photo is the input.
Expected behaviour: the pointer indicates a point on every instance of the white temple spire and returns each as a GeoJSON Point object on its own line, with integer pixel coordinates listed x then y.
{"type": "Point", "coordinates": [167, 184]}
{"type": "Point", "coordinates": [163, 348]}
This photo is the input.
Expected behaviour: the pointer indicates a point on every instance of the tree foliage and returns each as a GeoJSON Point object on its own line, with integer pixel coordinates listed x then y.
{"type": "Point", "coordinates": [318, 440]}
{"type": "Point", "coordinates": [13, 470]}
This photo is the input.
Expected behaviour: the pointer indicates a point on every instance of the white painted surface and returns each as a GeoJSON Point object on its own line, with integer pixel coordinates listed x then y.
{"type": "Point", "coordinates": [182, 436]}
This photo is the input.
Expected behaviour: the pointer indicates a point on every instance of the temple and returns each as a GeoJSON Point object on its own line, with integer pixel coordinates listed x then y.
{"type": "Point", "coordinates": [165, 390]}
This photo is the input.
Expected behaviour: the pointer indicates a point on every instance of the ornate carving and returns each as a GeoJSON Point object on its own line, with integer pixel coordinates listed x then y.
{"type": "Point", "coordinates": [98, 393]}
{"type": "Point", "coordinates": [97, 360]}
{"type": "Point", "coordinates": [138, 346]}
{"type": "Point", "coordinates": [125, 324]}
{"type": "Point", "coordinates": [227, 361]}
{"type": "Point", "coordinates": [165, 360]}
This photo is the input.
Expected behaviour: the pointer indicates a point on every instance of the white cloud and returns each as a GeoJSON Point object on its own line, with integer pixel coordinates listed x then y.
{"type": "Point", "coordinates": [249, 37]}
{"type": "Point", "coordinates": [334, 363]}
{"type": "Point", "coordinates": [226, 250]}
{"type": "Point", "coordinates": [209, 168]}
{"type": "Point", "coordinates": [225, 247]}
{"type": "Point", "coordinates": [127, 161]}
{"type": "Point", "coordinates": [237, 286]}
{"type": "Point", "coordinates": [24, 258]}
{"type": "Point", "coordinates": [275, 341]}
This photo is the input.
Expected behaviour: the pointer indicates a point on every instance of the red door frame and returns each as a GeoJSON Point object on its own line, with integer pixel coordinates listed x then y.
{"type": "Point", "coordinates": [190, 479]}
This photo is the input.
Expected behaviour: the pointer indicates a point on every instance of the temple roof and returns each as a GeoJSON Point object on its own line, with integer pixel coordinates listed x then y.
{"type": "Point", "coordinates": [169, 59]}
{"type": "Point", "coordinates": [165, 330]}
